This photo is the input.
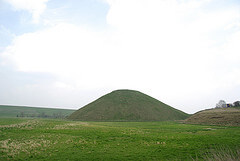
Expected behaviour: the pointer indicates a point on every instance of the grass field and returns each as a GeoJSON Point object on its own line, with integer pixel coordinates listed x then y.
{"type": "Point", "coordinates": [23, 111]}
{"type": "Point", "coordinates": [42, 139]}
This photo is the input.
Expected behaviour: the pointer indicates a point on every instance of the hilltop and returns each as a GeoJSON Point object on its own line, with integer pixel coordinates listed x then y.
{"type": "Point", "coordinates": [127, 105]}
{"type": "Point", "coordinates": [218, 116]}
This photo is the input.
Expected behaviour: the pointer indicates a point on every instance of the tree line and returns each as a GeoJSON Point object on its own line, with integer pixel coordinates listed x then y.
{"type": "Point", "coordinates": [223, 104]}
{"type": "Point", "coordinates": [42, 115]}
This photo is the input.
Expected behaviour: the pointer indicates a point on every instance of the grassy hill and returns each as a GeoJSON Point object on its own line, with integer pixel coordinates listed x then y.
{"type": "Point", "coordinates": [127, 105]}
{"type": "Point", "coordinates": [23, 111]}
{"type": "Point", "coordinates": [217, 116]}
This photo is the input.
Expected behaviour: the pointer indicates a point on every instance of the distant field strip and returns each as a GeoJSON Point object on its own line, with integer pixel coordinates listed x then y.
{"type": "Point", "coordinates": [34, 112]}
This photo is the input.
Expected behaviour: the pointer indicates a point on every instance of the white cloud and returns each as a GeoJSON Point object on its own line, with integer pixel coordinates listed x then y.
{"type": "Point", "coordinates": [35, 7]}
{"type": "Point", "coordinates": [177, 33]}
{"type": "Point", "coordinates": [169, 49]}
{"type": "Point", "coordinates": [65, 50]}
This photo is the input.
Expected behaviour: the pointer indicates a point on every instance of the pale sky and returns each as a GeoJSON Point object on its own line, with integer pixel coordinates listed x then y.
{"type": "Point", "coordinates": [58, 53]}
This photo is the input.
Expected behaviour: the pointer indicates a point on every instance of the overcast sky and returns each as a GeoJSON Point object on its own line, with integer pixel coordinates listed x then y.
{"type": "Point", "coordinates": [58, 53]}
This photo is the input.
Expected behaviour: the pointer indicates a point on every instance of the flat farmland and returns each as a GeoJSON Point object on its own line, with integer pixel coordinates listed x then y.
{"type": "Point", "coordinates": [49, 139]}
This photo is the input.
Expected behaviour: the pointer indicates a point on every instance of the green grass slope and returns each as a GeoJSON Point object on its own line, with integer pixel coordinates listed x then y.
{"type": "Point", "coordinates": [127, 105]}
{"type": "Point", "coordinates": [23, 111]}
{"type": "Point", "coordinates": [217, 116]}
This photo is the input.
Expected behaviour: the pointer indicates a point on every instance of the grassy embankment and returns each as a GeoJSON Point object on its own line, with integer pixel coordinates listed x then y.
{"type": "Point", "coordinates": [217, 116]}
{"type": "Point", "coordinates": [41, 139]}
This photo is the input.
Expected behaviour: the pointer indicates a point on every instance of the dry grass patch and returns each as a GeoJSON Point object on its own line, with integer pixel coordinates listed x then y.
{"type": "Point", "coordinates": [30, 124]}
{"type": "Point", "coordinates": [222, 154]}
{"type": "Point", "coordinates": [12, 148]}
{"type": "Point", "coordinates": [74, 125]}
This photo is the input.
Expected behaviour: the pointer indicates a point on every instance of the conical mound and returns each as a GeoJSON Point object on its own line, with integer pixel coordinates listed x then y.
{"type": "Point", "coordinates": [127, 105]}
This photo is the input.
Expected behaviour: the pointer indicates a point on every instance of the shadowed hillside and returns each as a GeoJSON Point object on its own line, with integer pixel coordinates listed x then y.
{"type": "Point", "coordinates": [217, 116]}
{"type": "Point", "coordinates": [127, 105]}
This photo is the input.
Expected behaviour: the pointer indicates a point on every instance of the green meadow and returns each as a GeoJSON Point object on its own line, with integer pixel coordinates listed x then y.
{"type": "Point", "coordinates": [24, 111]}
{"type": "Point", "coordinates": [49, 139]}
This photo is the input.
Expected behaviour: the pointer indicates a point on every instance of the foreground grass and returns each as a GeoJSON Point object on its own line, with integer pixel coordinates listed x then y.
{"type": "Point", "coordinates": [39, 139]}
{"type": "Point", "coordinates": [223, 154]}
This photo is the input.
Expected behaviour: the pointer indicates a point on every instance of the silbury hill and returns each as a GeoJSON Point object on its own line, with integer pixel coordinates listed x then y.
{"type": "Point", "coordinates": [127, 105]}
